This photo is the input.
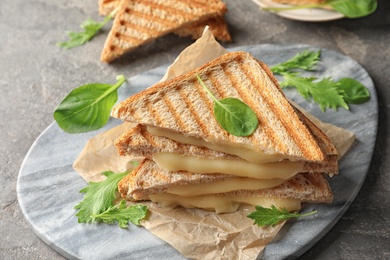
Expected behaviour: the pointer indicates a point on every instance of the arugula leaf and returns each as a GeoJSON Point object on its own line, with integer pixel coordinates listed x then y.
{"type": "Point", "coordinates": [354, 92]}
{"type": "Point", "coordinates": [87, 107]}
{"type": "Point", "coordinates": [349, 8]}
{"type": "Point", "coordinates": [306, 60]}
{"type": "Point", "coordinates": [122, 214]}
{"type": "Point", "coordinates": [91, 28]}
{"type": "Point", "coordinates": [324, 92]}
{"type": "Point", "coordinates": [272, 216]}
{"type": "Point", "coordinates": [98, 197]}
{"type": "Point", "coordinates": [236, 117]}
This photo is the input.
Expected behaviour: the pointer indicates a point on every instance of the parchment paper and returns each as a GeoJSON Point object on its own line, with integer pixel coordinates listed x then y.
{"type": "Point", "coordinates": [195, 233]}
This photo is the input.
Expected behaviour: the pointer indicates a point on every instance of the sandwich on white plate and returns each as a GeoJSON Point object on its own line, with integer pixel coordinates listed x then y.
{"type": "Point", "coordinates": [192, 161]}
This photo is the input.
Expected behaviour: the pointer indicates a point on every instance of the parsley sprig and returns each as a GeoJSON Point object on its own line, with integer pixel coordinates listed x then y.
{"type": "Point", "coordinates": [326, 92]}
{"type": "Point", "coordinates": [122, 214]}
{"type": "Point", "coordinates": [271, 216]}
{"type": "Point", "coordinates": [98, 203]}
{"type": "Point", "coordinates": [90, 27]}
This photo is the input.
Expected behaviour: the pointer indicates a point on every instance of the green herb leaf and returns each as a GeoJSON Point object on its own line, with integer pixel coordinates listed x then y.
{"type": "Point", "coordinates": [98, 197]}
{"type": "Point", "coordinates": [122, 214]}
{"type": "Point", "coordinates": [349, 8]}
{"type": "Point", "coordinates": [354, 8]}
{"type": "Point", "coordinates": [354, 92]}
{"type": "Point", "coordinates": [233, 115]}
{"type": "Point", "coordinates": [324, 92]}
{"type": "Point", "coordinates": [91, 28]}
{"type": "Point", "coordinates": [88, 107]}
{"type": "Point", "coordinates": [272, 216]}
{"type": "Point", "coordinates": [306, 60]}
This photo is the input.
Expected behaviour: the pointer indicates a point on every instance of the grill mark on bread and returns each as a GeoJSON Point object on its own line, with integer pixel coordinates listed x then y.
{"type": "Point", "coordinates": [164, 16]}
{"type": "Point", "coordinates": [193, 112]}
{"type": "Point", "coordinates": [277, 140]}
{"type": "Point", "coordinates": [174, 112]}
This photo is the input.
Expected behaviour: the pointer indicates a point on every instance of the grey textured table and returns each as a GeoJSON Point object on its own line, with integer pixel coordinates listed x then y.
{"type": "Point", "coordinates": [35, 76]}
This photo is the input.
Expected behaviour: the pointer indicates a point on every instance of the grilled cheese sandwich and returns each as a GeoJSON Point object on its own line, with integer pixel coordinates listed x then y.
{"type": "Point", "coordinates": [187, 150]}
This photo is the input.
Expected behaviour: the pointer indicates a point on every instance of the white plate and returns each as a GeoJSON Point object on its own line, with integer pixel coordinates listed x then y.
{"type": "Point", "coordinates": [306, 15]}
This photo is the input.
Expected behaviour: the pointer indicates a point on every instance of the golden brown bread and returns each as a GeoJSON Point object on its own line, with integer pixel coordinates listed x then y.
{"type": "Point", "coordinates": [181, 105]}
{"type": "Point", "coordinates": [149, 179]}
{"type": "Point", "coordinates": [217, 25]}
{"type": "Point", "coordinates": [141, 21]}
{"type": "Point", "coordinates": [139, 142]}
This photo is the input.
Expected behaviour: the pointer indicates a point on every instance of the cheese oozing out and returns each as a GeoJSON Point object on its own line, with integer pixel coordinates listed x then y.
{"type": "Point", "coordinates": [222, 186]}
{"type": "Point", "coordinates": [242, 151]}
{"type": "Point", "coordinates": [276, 170]}
{"type": "Point", "coordinates": [221, 204]}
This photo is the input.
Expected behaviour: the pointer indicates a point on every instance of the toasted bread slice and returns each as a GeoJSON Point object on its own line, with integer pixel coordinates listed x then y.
{"type": "Point", "coordinates": [148, 179]}
{"type": "Point", "coordinates": [107, 6]}
{"type": "Point", "coordinates": [139, 142]}
{"type": "Point", "coordinates": [182, 106]}
{"type": "Point", "coordinates": [139, 22]}
{"type": "Point", "coordinates": [217, 25]}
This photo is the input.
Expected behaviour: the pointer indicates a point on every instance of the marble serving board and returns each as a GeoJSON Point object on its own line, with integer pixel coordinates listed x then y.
{"type": "Point", "coordinates": [48, 187]}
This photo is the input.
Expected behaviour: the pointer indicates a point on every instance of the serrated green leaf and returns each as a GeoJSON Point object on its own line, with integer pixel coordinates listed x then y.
{"type": "Point", "coordinates": [324, 92]}
{"type": "Point", "coordinates": [98, 197]}
{"type": "Point", "coordinates": [306, 60]}
{"type": "Point", "coordinates": [271, 216]}
{"type": "Point", "coordinates": [122, 214]}
{"type": "Point", "coordinates": [91, 28]}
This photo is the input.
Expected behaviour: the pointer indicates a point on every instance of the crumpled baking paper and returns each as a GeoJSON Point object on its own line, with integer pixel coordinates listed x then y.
{"type": "Point", "coordinates": [195, 233]}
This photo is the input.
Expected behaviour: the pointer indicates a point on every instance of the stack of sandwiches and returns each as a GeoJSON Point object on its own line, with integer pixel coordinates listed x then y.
{"type": "Point", "coordinates": [138, 22]}
{"type": "Point", "coordinates": [190, 161]}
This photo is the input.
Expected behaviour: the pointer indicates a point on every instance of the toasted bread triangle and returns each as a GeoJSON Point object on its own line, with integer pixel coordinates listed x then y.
{"type": "Point", "coordinates": [181, 105]}
{"type": "Point", "coordinates": [217, 25]}
{"type": "Point", "coordinates": [141, 21]}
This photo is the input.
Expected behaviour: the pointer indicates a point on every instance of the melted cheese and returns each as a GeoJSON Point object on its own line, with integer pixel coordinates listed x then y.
{"type": "Point", "coordinates": [242, 151]}
{"type": "Point", "coordinates": [223, 204]}
{"type": "Point", "coordinates": [277, 170]}
{"type": "Point", "coordinates": [222, 186]}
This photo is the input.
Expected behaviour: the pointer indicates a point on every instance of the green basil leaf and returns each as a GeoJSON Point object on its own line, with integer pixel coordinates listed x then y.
{"type": "Point", "coordinates": [354, 92]}
{"type": "Point", "coordinates": [235, 117]}
{"type": "Point", "coordinates": [87, 107]}
{"type": "Point", "coordinates": [354, 8]}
